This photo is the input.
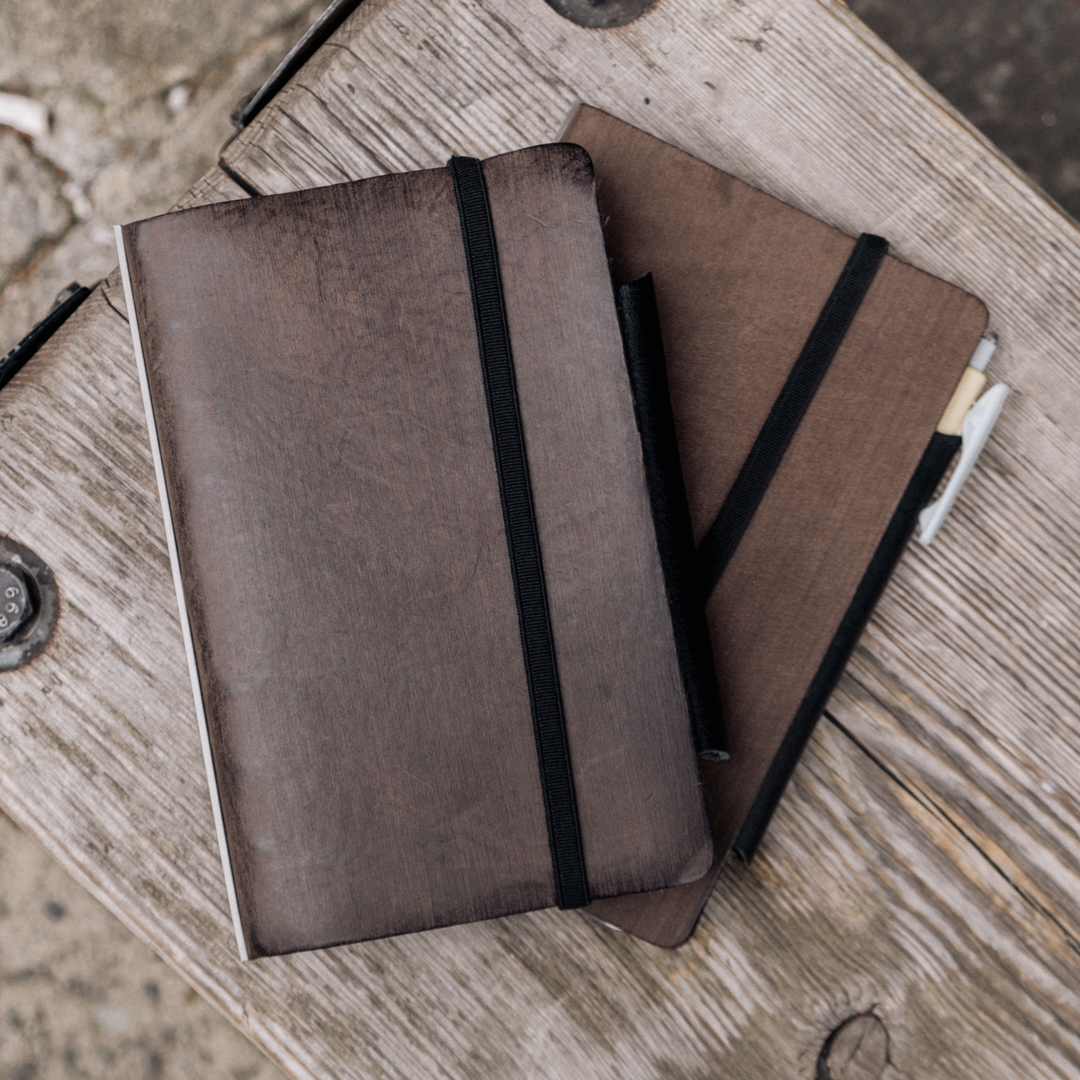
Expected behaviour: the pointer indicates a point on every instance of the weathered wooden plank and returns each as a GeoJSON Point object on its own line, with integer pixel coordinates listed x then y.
{"type": "Point", "coordinates": [970, 659]}
{"type": "Point", "coordinates": [214, 186]}
{"type": "Point", "coordinates": [940, 898]}
{"type": "Point", "coordinates": [804, 102]}
{"type": "Point", "coordinates": [866, 896]}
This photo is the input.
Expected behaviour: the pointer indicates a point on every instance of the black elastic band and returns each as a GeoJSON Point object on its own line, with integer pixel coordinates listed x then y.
{"type": "Point", "coordinates": [522, 536]}
{"type": "Point", "coordinates": [931, 468]}
{"type": "Point", "coordinates": [643, 346]}
{"type": "Point", "coordinates": [720, 542]}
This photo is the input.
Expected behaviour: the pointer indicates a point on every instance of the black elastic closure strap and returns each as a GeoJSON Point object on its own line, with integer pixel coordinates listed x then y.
{"type": "Point", "coordinates": [924, 481]}
{"type": "Point", "coordinates": [720, 542]}
{"type": "Point", "coordinates": [522, 535]}
{"type": "Point", "coordinates": [643, 346]}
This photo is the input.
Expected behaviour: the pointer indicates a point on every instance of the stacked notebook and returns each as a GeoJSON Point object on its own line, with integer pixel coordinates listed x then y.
{"type": "Point", "coordinates": [516, 553]}
{"type": "Point", "coordinates": [809, 374]}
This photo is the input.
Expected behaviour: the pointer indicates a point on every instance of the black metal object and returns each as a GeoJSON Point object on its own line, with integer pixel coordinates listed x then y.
{"type": "Point", "coordinates": [39, 607]}
{"type": "Point", "coordinates": [300, 53]}
{"type": "Point", "coordinates": [15, 605]}
{"type": "Point", "coordinates": [66, 302]}
{"type": "Point", "coordinates": [601, 14]}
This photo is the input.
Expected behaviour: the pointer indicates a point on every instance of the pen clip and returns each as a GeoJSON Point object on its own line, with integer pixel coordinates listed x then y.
{"type": "Point", "coordinates": [978, 424]}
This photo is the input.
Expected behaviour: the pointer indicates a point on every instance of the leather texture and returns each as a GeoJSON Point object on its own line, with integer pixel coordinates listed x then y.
{"type": "Point", "coordinates": [740, 280]}
{"type": "Point", "coordinates": [316, 384]}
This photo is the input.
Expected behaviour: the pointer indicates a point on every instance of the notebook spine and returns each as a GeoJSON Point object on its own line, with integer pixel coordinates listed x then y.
{"type": "Point", "coordinates": [920, 489]}
{"type": "Point", "coordinates": [181, 601]}
{"type": "Point", "coordinates": [646, 366]}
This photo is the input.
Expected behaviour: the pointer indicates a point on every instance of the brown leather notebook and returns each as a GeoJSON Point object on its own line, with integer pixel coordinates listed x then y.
{"type": "Point", "coordinates": [808, 374]}
{"type": "Point", "coordinates": [420, 581]}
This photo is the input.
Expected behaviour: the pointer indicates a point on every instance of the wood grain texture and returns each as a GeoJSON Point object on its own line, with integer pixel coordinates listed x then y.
{"type": "Point", "coordinates": [857, 1050]}
{"type": "Point", "coordinates": [923, 864]}
{"type": "Point", "coordinates": [214, 186]}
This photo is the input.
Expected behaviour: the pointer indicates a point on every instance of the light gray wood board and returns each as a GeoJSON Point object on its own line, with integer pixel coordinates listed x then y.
{"type": "Point", "coordinates": [866, 897]}
{"type": "Point", "coordinates": [801, 100]}
{"type": "Point", "coordinates": [213, 186]}
{"type": "Point", "coordinates": [968, 669]}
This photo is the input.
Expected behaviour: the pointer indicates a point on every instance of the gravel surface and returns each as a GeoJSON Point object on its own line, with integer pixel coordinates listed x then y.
{"type": "Point", "coordinates": [80, 996]}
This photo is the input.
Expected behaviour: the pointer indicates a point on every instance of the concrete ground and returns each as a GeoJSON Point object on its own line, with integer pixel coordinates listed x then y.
{"type": "Point", "coordinates": [1012, 67]}
{"type": "Point", "coordinates": [140, 95]}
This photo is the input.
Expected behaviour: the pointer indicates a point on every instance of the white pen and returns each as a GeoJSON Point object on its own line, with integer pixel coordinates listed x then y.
{"type": "Point", "coordinates": [973, 418]}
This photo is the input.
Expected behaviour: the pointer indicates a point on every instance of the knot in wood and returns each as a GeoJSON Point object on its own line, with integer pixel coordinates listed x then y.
{"type": "Point", "coordinates": [857, 1050]}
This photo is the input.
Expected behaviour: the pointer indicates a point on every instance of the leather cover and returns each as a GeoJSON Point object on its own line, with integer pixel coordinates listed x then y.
{"type": "Point", "coordinates": [740, 279]}
{"type": "Point", "coordinates": [316, 388]}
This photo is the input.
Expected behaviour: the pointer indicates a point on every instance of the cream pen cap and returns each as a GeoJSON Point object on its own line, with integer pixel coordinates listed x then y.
{"type": "Point", "coordinates": [971, 385]}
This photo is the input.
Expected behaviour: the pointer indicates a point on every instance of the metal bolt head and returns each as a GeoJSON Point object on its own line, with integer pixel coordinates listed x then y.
{"type": "Point", "coordinates": [15, 606]}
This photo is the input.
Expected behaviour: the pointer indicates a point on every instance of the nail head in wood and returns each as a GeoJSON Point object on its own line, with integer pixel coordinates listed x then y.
{"type": "Point", "coordinates": [27, 584]}
{"type": "Point", "coordinates": [14, 601]}
{"type": "Point", "coordinates": [601, 14]}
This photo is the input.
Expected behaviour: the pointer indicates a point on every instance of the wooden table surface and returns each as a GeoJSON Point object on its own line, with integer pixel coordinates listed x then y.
{"type": "Point", "coordinates": [924, 863]}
